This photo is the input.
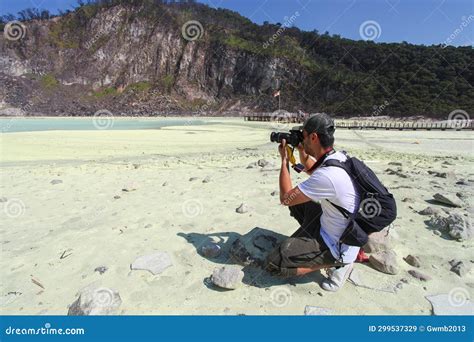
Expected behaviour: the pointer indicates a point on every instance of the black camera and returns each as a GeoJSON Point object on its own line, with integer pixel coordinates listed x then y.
{"type": "Point", "coordinates": [294, 138]}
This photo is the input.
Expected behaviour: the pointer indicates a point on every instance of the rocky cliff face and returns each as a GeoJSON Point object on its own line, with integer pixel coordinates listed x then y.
{"type": "Point", "coordinates": [123, 59]}
{"type": "Point", "coordinates": [130, 65]}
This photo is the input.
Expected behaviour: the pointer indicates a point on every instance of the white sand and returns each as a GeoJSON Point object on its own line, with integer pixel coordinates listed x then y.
{"type": "Point", "coordinates": [81, 216]}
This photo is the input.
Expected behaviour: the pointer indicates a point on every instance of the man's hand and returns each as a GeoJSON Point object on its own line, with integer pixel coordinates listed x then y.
{"type": "Point", "coordinates": [283, 151]}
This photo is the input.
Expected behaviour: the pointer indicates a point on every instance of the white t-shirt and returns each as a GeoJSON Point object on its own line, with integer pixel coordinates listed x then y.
{"type": "Point", "coordinates": [334, 184]}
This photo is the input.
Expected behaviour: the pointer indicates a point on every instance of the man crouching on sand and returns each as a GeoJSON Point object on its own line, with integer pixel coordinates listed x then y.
{"type": "Point", "coordinates": [315, 245]}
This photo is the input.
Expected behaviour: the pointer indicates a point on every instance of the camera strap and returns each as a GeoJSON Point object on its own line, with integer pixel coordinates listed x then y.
{"type": "Point", "coordinates": [318, 163]}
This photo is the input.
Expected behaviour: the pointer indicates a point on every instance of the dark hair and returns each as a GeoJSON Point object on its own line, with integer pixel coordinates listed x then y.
{"type": "Point", "coordinates": [326, 140]}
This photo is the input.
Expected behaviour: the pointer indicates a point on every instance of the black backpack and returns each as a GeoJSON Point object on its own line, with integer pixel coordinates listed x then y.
{"type": "Point", "coordinates": [377, 208]}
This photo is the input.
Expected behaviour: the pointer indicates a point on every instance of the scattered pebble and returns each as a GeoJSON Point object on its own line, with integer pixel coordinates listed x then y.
{"type": "Point", "coordinates": [211, 250]}
{"type": "Point", "coordinates": [459, 267]}
{"type": "Point", "coordinates": [274, 193]}
{"type": "Point", "coordinates": [101, 269]}
{"type": "Point", "coordinates": [117, 197]}
{"type": "Point", "coordinates": [418, 275]}
{"type": "Point", "coordinates": [429, 211]}
{"type": "Point", "coordinates": [164, 184]}
{"type": "Point", "coordinates": [412, 260]}
{"type": "Point", "coordinates": [207, 179]}
{"type": "Point", "coordinates": [192, 179]}
{"type": "Point", "coordinates": [56, 181]}
{"type": "Point", "coordinates": [3, 199]}
{"type": "Point", "coordinates": [242, 209]}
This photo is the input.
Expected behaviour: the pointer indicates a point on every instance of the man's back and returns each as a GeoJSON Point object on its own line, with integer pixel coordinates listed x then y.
{"type": "Point", "coordinates": [333, 184]}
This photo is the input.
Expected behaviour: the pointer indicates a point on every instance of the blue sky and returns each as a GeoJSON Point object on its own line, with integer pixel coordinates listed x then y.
{"type": "Point", "coordinates": [415, 21]}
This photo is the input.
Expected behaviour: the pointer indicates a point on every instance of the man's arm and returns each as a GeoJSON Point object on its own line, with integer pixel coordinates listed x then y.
{"type": "Point", "coordinates": [288, 196]}
{"type": "Point", "coordinates": [305, 158]}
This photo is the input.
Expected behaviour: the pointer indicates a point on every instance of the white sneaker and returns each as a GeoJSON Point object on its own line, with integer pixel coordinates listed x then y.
{"type": "Point", "coordinates": [337, 277]}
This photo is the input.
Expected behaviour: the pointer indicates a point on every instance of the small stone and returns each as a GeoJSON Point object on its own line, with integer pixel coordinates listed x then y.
{"type": "Point", "coordinates": [155, 263]}
{"type": "Point", "coordinates": [128, 189]}
{"type": "Point", "coordinates": [136, 166]}
{"type": "Point", "coordinates": [316, 311]}
{"type": "Point", "coordinates": [459, 267]}
{"type": "Point", "coordinates": [462, 182]}
{"type": "Point", "coordinates": [149, 225]}
{"type": "Point", "coordinates": [101, 269]}
{"type": "Point", "coordinates": [412, 260]}
{"type": "Point", "coordinates": [252, 165]}
{"type": "Point", "coordinates": [385, 261]}
{"type": "Point", "coordinates": [227, 277]}
{"type": "Point", "coordinates": [56, 181]}
{"type": "Point", "coordinates": [242, 209]}
{"type": "Point", "coordinates": [448, 200]}
{"type": "Point", "coordinates": [408, 199]}
{"type": "Point", "coordinates": [94, 300]}
{"type": "Point", "coordinates": [274, 193]}
{"type": "Point", "coordinates": [207, 179]}
{"type": "Point", "coordinates": [395, 163]}
{"type": "Point", "coordinates": [263, 162]}
{"type": "Point", "coordinates": [3, 199]}
{"type": "Point", "coordinates": [117, 197]}
{"type": "Point", "coordinates": [164, 184]}
{"type": "Point", "coordinates": [429, 211]}
{"type": "Point", "coordinates": [211, 250]}
{"type": "Point", "coordinates": [192, 179]}
{"type": "Point", "coordinates": [418, 275]}
{"type": "Point", "coordinates": [404, 280]}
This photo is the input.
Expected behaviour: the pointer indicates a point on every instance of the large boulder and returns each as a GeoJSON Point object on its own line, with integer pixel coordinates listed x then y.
{"type": "Point", "coordinates": [253, 247]}
{"type": "Point", "coordinates": [385, 261]}
{"type": "Point", "coordinates": [378, 241]}
{"type": "Point", "coordinates": [95, 300]}
{"type": "Point", "coordinates": [456, 225]}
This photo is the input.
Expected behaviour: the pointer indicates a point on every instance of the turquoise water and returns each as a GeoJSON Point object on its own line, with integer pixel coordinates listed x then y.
{"type": "Point", "coordinates": [10, 125]}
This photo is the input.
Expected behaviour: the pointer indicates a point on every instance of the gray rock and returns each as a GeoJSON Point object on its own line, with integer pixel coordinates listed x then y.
{"type": "Point", "coordinates": [211, 250]}
{"type": "Point", "coordinates": [253, 247]}
{"type": "Point", "coordinates": [452, 304]}
{"type": "Point", "coordinates": [418, 275]}
{"type": "Point", "coordinates": [448, 200]}
{"type": "Point", "coordinates": [252, 165]}
{"type": "Point", "coordinates": [155, 263]}
{"type": "Point", "coordinates": [117, 197]}
{"type": "Point", "coordinates": [316, 311]}
{"type": "Point", "coordinates": [274, 193]}
{"type": "Point", "coordinates": [459, 227]}
{"type": "Point", "coordinates": [192, 179]}
{"type": "Point", "coordinates": [378, 241]}
{"type": "Point", "coordinates": [3, 199]}
{"type": "Point", "coordinates": [165, 184]}
{"type": "Point", "coordinates": [101, 269]}
{"type": "Point", "coordinates": [385, 261]}
{"type": "Point", "coordinates": [429, 211]}
{"type": "Point", "coordinates": [207, 179]}
{"type": "Point", "coordinates": [462, 181]}
{"type": "Point", "coordinates": [242, 209]}
{"type": "Point", "coordinates": [395, 163]}
{"type": "Point", "coordinates": [227, 277]}
{"type": "Point", "coordinates": [56, 181]}
{"type": "Point", "coordinates": [412, 260]}
{"type": "Point", "coordinates": [459, 267]}
{"type": "Point", "coordinates": [129, 189]}
{"type": "Point", "coordinates": [263, 162]}
{"type": "Point", "coordinates": [149, 225]}
{"type": "Point", "coordinates": [408, 200]}
{"type": "Point", "coordinates": [94, 300]}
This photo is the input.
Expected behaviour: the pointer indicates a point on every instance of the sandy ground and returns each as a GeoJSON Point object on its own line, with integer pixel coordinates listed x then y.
{"type": "Point", "coordinates": [81, 221]}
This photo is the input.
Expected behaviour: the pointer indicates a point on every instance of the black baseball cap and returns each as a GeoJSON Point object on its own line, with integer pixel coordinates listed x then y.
{"type": "Point", "coordinates": [319, 123]}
